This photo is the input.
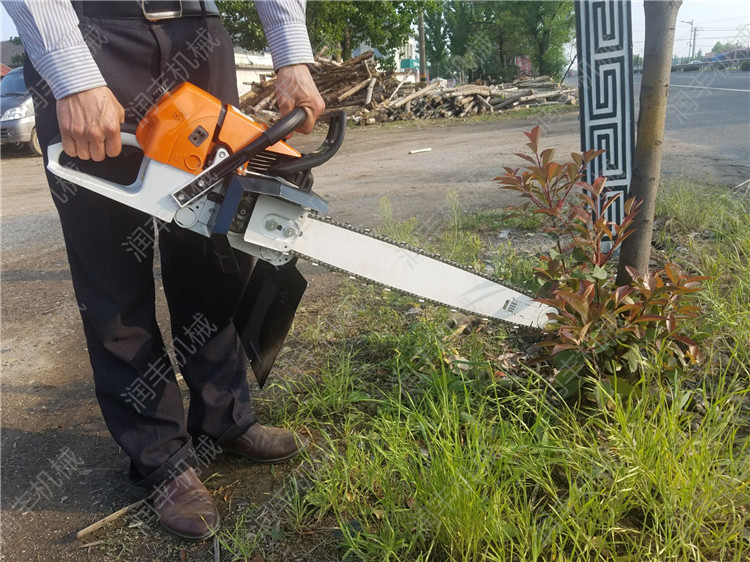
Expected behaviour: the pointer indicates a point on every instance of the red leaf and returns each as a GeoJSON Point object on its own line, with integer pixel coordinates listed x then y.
{"type": "Point", "coordinates": [673, 272]}
{"type": "Point", "coordinates": [651, 318]}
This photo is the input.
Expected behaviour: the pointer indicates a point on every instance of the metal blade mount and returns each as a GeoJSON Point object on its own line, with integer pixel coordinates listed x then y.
{"type": "Point", "coordinates": [409, 271]}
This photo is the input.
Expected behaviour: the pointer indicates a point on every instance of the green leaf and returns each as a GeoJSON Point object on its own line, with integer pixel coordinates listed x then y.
{"type": "Point", "coordinates": [599, 273]}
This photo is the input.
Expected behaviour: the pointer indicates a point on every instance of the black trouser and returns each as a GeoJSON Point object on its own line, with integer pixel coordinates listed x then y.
{"type": "Point", "coordinates": [111, 248]}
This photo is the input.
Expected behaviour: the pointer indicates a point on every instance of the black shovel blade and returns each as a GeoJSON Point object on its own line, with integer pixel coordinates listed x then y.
{"type": "Point", "coordinates": [266, 313]}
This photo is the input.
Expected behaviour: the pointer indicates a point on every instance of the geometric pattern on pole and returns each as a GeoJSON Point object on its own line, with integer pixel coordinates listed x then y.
{"type": "Point", "coordinates": [605, 85]}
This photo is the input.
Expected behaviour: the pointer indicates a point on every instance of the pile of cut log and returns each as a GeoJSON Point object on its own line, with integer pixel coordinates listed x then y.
{"type": "Point", "coordinates": [369, 96]}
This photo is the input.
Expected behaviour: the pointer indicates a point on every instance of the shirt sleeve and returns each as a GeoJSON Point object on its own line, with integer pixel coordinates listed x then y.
{"type": "Point", "coordinates": [54, 43]}
{"type": "Point", "coordinates": [284, 25]}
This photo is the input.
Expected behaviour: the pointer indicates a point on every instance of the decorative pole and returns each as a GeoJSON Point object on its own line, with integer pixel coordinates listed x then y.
{"type": "Point", "coordinates": [605, 85]}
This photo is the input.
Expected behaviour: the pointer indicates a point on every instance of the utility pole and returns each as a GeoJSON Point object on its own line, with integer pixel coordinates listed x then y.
{"type": "Point", "coordinates": [695, 40]}
{"type": "Point", "coordinates": [691, 40]}
{"type": "Point", "coordinates": [422, 50]}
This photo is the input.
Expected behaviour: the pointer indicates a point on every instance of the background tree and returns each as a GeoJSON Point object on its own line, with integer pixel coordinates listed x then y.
{"type": "Point", "coordinates": [720, 47]}
{"type": "Point", "coordinates": [547, 27]}
{"type": "Point", "coordinates": [339, 25]}
{"type": "Point", "coordinates": [437, 41]}
{"type": "Point", "coordinates": [661, 17]}
{"type": "Point", "coordinates": [484, 38]}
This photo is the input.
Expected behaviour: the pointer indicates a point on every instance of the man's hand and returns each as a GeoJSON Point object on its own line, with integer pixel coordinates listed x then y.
{"type": "Point", "coordinates": [295, 88]}
{"type": "Point", "coordinates": [90, 124]}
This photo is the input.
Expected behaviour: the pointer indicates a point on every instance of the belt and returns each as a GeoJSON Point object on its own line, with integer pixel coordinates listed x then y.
{"type": "Point", "coordinates": [151, 10]}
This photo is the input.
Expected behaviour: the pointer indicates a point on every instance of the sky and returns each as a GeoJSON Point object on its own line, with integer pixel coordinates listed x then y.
{"type": "Point", "coordinates": [725, 20]}
{"type": "Point", "coordinates": [716, 20]}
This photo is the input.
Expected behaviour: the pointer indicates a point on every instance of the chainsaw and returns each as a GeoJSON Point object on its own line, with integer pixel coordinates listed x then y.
{"type": "Point", "coordinates": [207, 167]}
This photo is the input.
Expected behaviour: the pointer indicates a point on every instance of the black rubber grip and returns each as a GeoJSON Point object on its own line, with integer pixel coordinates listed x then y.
{"type": "Point", "coordinates": [286, 125]}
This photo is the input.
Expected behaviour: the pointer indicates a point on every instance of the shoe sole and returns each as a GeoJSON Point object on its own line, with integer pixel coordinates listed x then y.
{"type": "Point", "coordinates": [259, 461]}
{"type": "Point", "coordinates": [208, 535]}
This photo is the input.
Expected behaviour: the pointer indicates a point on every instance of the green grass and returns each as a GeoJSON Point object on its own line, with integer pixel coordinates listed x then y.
{"type": "Point", "coordinates": [708, 228]}
{"type": "Point", "coordinates": [433, 451]}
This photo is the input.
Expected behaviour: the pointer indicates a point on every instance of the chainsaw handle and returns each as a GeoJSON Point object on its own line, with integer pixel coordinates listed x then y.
{"type": "Point", "coordinates": [127, 128]}
{"type": "Point", "coordinates": [322, 154]}
{"type": "Point", "coordinates": [69, 168]}
{"type": "Point", "coordinates": [286, 125]}
{"type": "Point", "coordinates": [105, 177]}
{"type": "Point", "coordinates": [203, 182]}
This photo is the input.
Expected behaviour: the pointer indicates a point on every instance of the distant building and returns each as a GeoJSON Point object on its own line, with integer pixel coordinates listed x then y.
{"type": "Point", "coordinates": [406, 58]}
{"type": "Point", "coordinates": [252, 67]}
{"type": "Point", "coordinates": [11, 55]}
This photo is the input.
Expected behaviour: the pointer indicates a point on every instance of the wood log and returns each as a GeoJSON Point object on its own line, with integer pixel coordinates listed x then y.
{"type": "Point", "coordinates": [370, 88]}
{"type": "Point", "coordinates": [485, 103]}
{"type": "Point", "coordinates": [417, 94]}
{"type": "Point", "coordinates": [466, 111]}
{"type": "Point", "coordinates": [351, 91]}
{"type": "Point", "coordinates": [512, 100]}
{"type": "Point", "coordinates": [529, 81]}
{"type": "Point", "coordinates": [473, 90]}
{"type": "Point", "coordinates": [356, 60]}
{"type": "Point", "coordinates": [262, 103]}
{"type": "Point", "coordinates": [540, 96]}
{"type": "Point", "coordinates": [397, 88]}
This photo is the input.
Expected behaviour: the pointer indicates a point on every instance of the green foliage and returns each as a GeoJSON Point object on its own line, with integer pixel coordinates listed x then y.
{"type": "Point", "coordinates": [430, 448]}
{"type": "Point", "coordinates": [547, 27]}
{"type": "Point", "coordinates": [601, 329]}
{"type": "Point", "coordinates": [456, 243]}
{"type": "Point", "coordinates": [481, 39]}
{"type": "Point", "coordinates": [446, 469]}
{"type": "Point", "coordinates": [745, 66]}
{"type": "Point", "coordinates": [390, 228]}
{"type": "Point", "coordinates": [243, 24]}
{"type": "Point", "coordinates": [437, 41]}
{"type": "Point", "coordinates": [339, 26]}
{"type": "Point", "coordinates": [709, 227]}
{"type": "Point", "coordinates": [720, 47]}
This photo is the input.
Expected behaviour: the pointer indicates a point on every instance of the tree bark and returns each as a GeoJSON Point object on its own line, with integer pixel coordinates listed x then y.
{"type": "Point", "coordinates": [661, 17]}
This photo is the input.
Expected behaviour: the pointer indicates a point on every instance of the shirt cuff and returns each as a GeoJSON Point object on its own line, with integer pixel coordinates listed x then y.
{"type": "Point", "coordinates": [289, 45]}
{"type": "Point", "coordinates": [69, 70]}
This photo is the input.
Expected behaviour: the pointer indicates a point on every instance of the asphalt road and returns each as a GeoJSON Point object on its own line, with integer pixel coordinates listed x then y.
{"type": "Point", "coordinates": [709, 112]}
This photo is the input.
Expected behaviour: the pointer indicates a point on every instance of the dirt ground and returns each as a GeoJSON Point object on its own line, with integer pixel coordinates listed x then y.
{"type": "Point", "coordinates": [61, 470]}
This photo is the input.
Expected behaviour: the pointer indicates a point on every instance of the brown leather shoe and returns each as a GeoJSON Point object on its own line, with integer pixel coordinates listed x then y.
{"type": "Point", "coordinates": [266, 445]}
{"type": "Point", "coordinates": [185, 507]}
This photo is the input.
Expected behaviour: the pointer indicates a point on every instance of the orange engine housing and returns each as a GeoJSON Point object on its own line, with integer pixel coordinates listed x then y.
{"type": "Point", "coordinates": [187, 124]}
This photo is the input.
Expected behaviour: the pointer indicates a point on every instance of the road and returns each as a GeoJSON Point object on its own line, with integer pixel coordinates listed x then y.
{"type": "Point", "coordinates": [709, 113]}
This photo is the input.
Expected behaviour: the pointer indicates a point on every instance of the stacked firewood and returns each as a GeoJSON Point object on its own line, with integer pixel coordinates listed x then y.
{"type": "Point", "coordinates": [433, 102]}
{"type": "Point", "coordinates": [369, 96]}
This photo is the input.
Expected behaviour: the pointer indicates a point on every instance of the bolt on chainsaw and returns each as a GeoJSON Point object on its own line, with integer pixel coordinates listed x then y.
{"type": "Point", "coordinates": [207, 167]}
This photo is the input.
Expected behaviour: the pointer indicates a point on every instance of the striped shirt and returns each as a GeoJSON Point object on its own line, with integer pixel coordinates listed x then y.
{"type": "Point", "coordinates": [56, 47]}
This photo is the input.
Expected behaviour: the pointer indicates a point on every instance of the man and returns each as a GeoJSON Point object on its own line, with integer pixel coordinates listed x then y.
{"type": "Point", "coordinates": [93, 66]}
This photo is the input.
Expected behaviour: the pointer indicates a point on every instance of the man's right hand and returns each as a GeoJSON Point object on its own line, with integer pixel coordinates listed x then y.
{"type": "Point", "coordinates": [90, 124]}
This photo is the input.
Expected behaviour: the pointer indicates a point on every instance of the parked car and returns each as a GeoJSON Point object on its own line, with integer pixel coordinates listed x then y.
{"type": "Point", "coordinates": [17, 124]}
{"type": "Point", "coordinates": [693, 65]}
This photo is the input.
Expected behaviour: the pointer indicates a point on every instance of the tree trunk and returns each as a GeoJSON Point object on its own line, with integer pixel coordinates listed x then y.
{"type": "Point", "coordinates": [422, 55]}
{"type": "Point", "coordinates": [657, 60]}
{"type": "Point", "coordinates": [346, 45]}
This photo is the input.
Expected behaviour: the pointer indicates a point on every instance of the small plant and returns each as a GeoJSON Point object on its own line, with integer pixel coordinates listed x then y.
{"type": "Point", "coordinates": [600, 329]}
{"type": "Point", "coordinates": [390, 228]}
